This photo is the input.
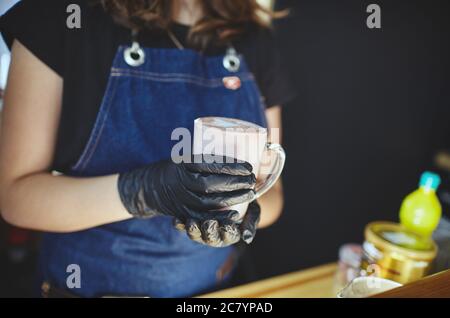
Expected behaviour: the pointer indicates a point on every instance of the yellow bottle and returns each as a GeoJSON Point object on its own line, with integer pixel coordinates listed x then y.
{"type": "Point", "coordinates": [421, 210]}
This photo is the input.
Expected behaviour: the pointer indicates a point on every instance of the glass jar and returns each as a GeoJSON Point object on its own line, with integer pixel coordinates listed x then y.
{"type": "Point", "coordinates": [392, 252]}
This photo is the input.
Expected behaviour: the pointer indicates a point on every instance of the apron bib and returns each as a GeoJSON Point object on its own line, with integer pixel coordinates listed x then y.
{"type": "Point", "coordinates": [140, 109]}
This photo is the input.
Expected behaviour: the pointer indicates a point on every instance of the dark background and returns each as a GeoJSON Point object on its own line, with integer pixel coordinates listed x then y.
{"type": "Point", "coordinates": [372, 109]}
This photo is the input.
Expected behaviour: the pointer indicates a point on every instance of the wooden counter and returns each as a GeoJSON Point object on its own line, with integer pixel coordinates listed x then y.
{"type": "Point", "coordinates": [434, 286]}
{"type": "Point", "coordinates": [317, 282]}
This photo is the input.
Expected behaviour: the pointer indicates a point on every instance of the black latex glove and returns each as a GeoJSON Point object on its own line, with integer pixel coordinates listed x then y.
{"type": "Point", "coordinates": [250, 222]}
{"type": "Point", "coordinates": [213, 233]}
{"type": "Point", "coordinates": [187, 191]}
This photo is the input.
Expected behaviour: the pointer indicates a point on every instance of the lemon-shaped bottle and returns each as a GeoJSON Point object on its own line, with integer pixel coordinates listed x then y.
{"type": "Point", "coordinates": [421, 210]}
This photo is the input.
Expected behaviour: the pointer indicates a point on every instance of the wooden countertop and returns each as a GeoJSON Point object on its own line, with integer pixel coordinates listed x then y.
{"type": "Point", "coordinates": [434, 286]}
{"type": "Point", "coordinates": [317, 282]}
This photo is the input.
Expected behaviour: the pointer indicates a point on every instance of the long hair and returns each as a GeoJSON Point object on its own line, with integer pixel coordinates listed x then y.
{"type": "Point", "coordinates": [222, 21]}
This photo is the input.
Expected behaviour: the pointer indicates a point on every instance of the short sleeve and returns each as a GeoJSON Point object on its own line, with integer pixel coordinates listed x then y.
{"type": "Point", "coordinates": [271, 74]}
{"type": "Point", "coordinates": [40, 26]}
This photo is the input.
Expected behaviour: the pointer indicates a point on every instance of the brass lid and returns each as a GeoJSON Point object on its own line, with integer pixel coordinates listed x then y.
{"type": "Point", "coordinates": [372, 235]}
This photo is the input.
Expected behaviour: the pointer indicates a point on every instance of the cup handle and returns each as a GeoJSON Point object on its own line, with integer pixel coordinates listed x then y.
{"type": "Point", "coordinates": [277, 168]}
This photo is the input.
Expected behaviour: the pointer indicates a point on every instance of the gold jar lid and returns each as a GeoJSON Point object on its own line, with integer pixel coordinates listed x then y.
{"type": "Point", "coordinates": [373, 234]}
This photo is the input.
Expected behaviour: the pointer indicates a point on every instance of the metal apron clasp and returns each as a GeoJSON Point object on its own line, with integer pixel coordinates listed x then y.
{"type": "Point", "coordinates": [134, 55]}
{"type": "Point", "coordinates": [231, 60]}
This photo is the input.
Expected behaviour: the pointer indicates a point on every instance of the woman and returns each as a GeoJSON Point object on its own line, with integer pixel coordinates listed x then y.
{"type": "Point", "coordinates": [86, 102]}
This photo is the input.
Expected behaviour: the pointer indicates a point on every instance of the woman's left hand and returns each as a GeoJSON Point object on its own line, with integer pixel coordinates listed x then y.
{"type": "Point", "coordinates": [212, 234]}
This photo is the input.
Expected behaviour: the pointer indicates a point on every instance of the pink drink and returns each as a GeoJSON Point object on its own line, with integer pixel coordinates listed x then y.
{"type": "Point", "coordinates": [238, 139]}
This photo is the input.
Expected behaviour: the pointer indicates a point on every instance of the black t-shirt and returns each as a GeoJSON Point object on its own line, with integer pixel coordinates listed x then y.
{"type": "Point", "coordinates": [83, 57]}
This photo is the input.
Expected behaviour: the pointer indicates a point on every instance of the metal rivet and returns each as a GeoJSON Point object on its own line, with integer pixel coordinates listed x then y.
{"type": "Point", "coordinates": [232, 82]}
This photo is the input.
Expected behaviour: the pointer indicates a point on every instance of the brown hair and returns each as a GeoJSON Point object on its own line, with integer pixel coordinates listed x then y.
{"type": "Point", "coordinates": [222, 21]}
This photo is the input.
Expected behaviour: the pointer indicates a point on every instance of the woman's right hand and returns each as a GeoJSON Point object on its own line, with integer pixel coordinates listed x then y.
{"type": "Point", "coordinates": [188, 191]}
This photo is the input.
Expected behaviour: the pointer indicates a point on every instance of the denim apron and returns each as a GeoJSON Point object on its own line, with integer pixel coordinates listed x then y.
{"type": "Point", "coordinates": [140, 109]}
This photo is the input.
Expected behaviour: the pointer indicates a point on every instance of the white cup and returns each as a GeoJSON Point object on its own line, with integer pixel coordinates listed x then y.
{"type": "Point", "coordinates": [367, 286]}
{"type": "Point", "coordinates": [244, 141]}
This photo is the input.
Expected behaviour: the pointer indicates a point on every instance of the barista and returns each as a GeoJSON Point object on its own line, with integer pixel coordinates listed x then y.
{"type": "Point", "coordinates": [98, 104]}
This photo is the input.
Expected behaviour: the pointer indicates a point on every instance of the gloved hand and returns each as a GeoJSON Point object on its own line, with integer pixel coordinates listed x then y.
{"type": "Point", "coordinates": [250, 222]}
{"type": "Point", "coordinates": [212, 233]}
{"type": "Point", "coordinates": [188, 191]}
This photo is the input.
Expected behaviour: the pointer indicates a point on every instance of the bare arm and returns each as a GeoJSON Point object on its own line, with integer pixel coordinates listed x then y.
{"type": "Point", "coordinates": [272, 202]}
{"type": "Point", "coordinates": [30, 196]}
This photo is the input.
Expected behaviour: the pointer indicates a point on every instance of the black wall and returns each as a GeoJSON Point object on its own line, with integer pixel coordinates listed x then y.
{"type": "Point", "coordinates": [373, 107]}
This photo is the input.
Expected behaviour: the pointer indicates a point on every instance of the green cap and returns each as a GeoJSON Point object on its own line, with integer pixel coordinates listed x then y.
{"type": "Point", "coordinates": [430, 180]}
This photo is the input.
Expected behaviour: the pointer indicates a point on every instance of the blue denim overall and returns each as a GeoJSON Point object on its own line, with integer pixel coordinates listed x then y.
{"type": "Point", "coordinates": [140, 109]}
